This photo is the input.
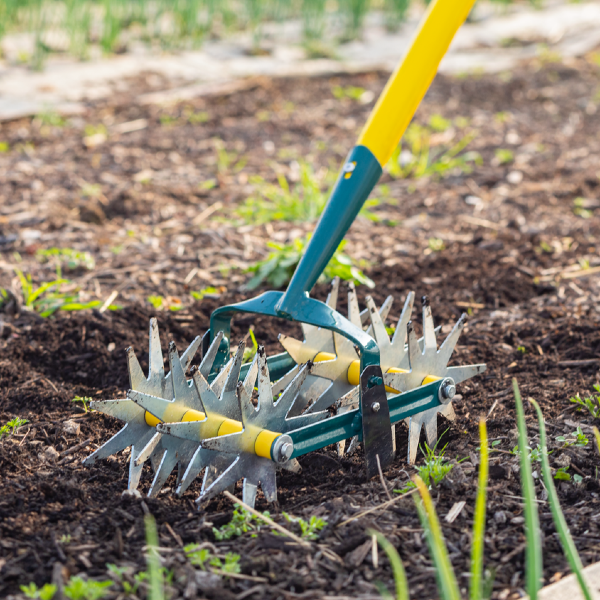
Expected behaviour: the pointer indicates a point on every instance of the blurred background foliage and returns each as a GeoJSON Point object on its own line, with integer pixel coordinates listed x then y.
{"type": "Point", "coordinates": [81, 28]}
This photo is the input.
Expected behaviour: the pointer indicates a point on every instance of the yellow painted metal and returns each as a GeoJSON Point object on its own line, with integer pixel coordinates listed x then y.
{"type": "Point", "coordinates": [323, 356]}
{"type": "Point", "coordinates": [230, 426]}
{"type": "Point", "coordinates": [430, 379]}
{"type": "Point", "coordinates": [151, 419]}
{"type": "Point", "coordinates": [413, 76]}
{"type": "Point", "coordinates": [193, 415]}
{"type": "Point", "coordinates": [264, 442]}
{"type": "Point", "coordinates": [354, 372]}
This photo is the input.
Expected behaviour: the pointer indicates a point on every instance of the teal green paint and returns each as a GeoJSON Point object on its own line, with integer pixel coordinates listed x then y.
{"type": "Point", "coordinates": [307, 310]}
{"type": "Point", "coordinates": [346, 200]}
{"type": "Point", "coordinates": [341, 427]}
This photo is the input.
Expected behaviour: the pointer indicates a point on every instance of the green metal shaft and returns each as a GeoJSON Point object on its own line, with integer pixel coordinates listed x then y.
{"type": "Point", "coordinates": [344, 426]}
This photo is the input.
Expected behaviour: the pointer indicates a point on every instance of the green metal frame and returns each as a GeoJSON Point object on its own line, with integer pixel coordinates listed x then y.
{"type": "Point", "coordinates": [344, 426]}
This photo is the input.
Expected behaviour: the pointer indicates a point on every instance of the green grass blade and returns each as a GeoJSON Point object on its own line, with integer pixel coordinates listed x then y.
{"type": "Point", "coordinates": [476, 584]}
{"type": "Point", "coordinates": [155, 580]}
{"type": "Point", "coordinates": [533, 549]}
{"type": "Point", "coordinates": [447, 585]}
{"type": "Point", "coordinates": [559, 519]}
{"type": "Point", "coordinates": [397, 568]}
{"type": "Point", "coordinates": [597, 436]}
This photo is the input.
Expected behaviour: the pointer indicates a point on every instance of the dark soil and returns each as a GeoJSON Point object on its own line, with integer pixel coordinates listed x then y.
{"type": "Point", "coordinates": [518, 254]}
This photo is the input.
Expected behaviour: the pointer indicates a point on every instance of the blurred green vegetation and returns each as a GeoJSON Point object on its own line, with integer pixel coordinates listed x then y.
{"type": "Point", "coordinates": [75, 26]}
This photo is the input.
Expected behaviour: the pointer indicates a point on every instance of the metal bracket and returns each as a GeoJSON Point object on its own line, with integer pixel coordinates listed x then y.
{"type": "Point", "coordinates": [376, 424]}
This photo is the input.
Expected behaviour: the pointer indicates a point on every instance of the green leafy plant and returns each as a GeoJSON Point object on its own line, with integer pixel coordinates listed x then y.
{"type": "Point", "coordinates": [84, 401]}
{"type": "Point", "coordinates": [577, 438]}
{"type": "Point", "coordinates": [250, 351]}
{"type": "Point", "coordinates": [504, 156]}
{"type": "Point", "coordinates": [433, 471]}
{"type": "Point", "coordinates": [207, 561]}
{"type": "Point", "coordinates": [9, 428]}
{"type": "Point", "coordinates": [119, 573]}
{"type": "Point", "coordinates": [277, 269]}
{"type": "Point", "coordinates": [86, 589]}
{"type": "Point", "coordinates": [207, 291]}
{"type": "Point", "coordinates": [562, 475]}
{"type": "Point", "coordinates": [417, 159]}
{"type": "Point", "coordinates": [48, 297]}
{"type": "Point", "coordinates": [591, 403]}
{"type": "Point", "coordinates": [308, 529]}
{"type": "Point", "coordinates": [436, 244]}
{"type": "Point", "coordinates": [348, 92]}
{"type": "Point", "coordinates": [67, 257]}
{"type": "Point", "coordinates": [241, 522]}
{"type": "Point", "coordinates": [46, 592]}
{"type": "Point", "coordinates": [304, 201]}
{"type": "Point", "coordinates": [162, 303]}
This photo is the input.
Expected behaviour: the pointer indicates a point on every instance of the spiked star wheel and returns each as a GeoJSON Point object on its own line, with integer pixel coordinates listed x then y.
{"type": "Point", "coordinates": [234, 456]}
{"type": "Point", "coordinates": [427, 363]}
{"type": "Point", "coordinates": [139, 431]}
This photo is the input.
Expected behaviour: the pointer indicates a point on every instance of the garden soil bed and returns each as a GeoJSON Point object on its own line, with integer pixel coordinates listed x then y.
{"type": "Point", "coordinates": [518, 251]}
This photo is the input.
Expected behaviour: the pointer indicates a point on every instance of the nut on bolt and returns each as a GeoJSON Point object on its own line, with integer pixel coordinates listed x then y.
{"type": "Point", "coordinates": [283, 449]}
{"type": "Point", "coordinates": [447, 390]}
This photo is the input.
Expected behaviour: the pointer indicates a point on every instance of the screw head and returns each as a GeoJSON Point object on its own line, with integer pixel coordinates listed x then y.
{"type": "Point", "coordinates": [447, 390]}
{"type": "Point", "coordinates": [375, 407]}
{"type": "Point", "coordinates": [286, 451]}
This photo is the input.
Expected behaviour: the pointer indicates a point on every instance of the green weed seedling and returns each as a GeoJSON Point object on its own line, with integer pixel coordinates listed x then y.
{"type": "Point", "coordinates": [304, 202]}
{"type": "Point", "coordinates": [10, 427]}
{"type": "Point", "coordinates": [241, 522]}
{"type": "Point", "coordinates": [349, 92]}
{"type": "Point", "coordinates": [48, 297]}
{"type": "Point", "coordinates": [207, 561]}
{"type": "Point", "coordinates": [46, 592]}
{"type": "Point", "coordinates": [591, 403]}
{"type": "Point", "coordinates": [86, 589]}
{"type": "Point", "coordinates": [562, 475]}
{"type": "Point", "coordinates": [419, 160]}
{"type": "Point", "coordinates": [119, 574]}
{"type": "Point", "coordinates": [504, 156]}
{"type": "Point", "coordinates": [209, 291]}
{"type": "Point", "coordinates": [84, 401]}
{"type": "Point", "coordinates": [277, 269]}
{"type": "Point", "coordinates": [436, 244]}
{"type": "Point", "coordinates": [4, 147]}
{"type": "Point", "coordinates": [433, 471]}
{"type": "Point", "coordinates": [250, 351]}
{"type": "Point", "coordinates": [308, 529]}
{"type": "Point", "coordinates": [68, 257]}
{"type": "Point", "coordinates": [577, 439]}
{"type": "Point", "coordinates": [161, 303]}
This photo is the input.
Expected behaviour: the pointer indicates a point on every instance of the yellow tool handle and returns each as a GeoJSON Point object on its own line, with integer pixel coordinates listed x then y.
{"type": "Point", "coordinates": [413, 76]}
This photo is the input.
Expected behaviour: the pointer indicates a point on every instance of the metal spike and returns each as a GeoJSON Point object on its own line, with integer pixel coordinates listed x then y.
{"type": "Point", "coordinates": [188, 356]}
{"type": "Point", "coordinates": [157, 365]}
{"type": "Point", "coordinates": [353, 309]}
{"type": "Point", "coordinates": [181, 389]}
{"type": "Point", "coordinates": [251, 375]}
{"type": "Point", "coordinates": [209, 358]}
{"type": "Point", "coordinates": [148, 449]}
{"type": "Point", "coordinates": [123, 439]}
{"type": "Point", "coordinates": [399, 336]}
{"type": "Point", "coordinates": [384, 311]}
{"type": "Point", "coordinates": [447, 348]}
{"type": "Point", "coordinates": [428, 327]}
{"type": "Point", "coordinates": [379, 330]}
{"type": "Point", "coordinates": [265, 394]}
{"type": "Point", "coordinates": [137, 379]}
{"type": "Point", "coordinates": [219, 381]}
{"type": "Point", "coordinates": [282, 383]}
{"type": "Point", "coordinates": [460, 374]}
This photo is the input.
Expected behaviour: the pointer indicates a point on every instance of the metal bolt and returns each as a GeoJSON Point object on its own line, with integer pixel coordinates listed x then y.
{"type": "Point", "coordinates": [447, 389]}
{"type": "Point", "coordinates": [375, 407]}
{"type": "Point", "coordinates": [285, 451]}
{"type": "Point", "coordinates": [373, 381]}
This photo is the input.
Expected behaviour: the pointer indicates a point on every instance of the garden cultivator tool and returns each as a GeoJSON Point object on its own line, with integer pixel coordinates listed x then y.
{"type": "Point", "coordinates": [347, 380]}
